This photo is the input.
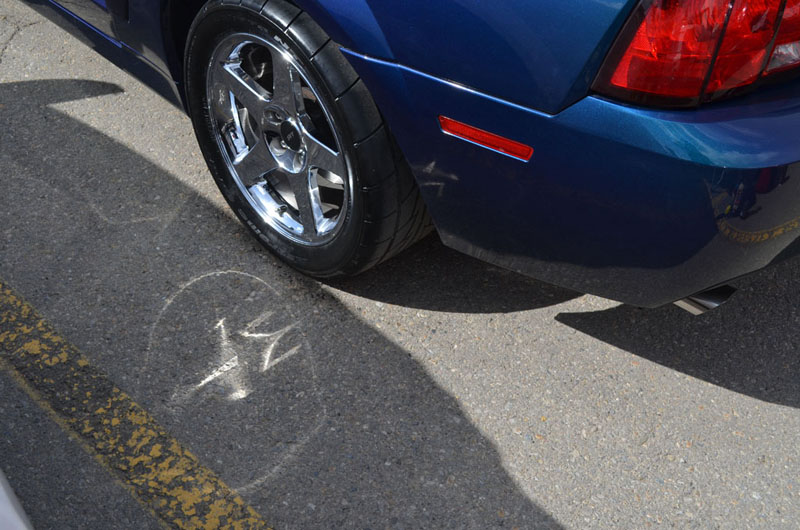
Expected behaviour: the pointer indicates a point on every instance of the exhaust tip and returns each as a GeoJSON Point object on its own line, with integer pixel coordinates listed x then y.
{"type": "Point", "coordinates": [705, 301]}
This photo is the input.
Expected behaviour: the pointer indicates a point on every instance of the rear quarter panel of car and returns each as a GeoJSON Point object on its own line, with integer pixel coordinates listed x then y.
{"type": "Point", "coordinates": [542, 54]}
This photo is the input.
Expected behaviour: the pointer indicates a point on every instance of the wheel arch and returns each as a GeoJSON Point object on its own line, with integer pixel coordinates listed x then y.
{"type": "Point", "coordinates": [353, 26]}
{"type": "Point", "coordinates": [176, 19]}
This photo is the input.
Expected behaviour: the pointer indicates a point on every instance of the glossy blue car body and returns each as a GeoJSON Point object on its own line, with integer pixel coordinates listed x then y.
{"type": "Point", "coordinates": [640, 205]}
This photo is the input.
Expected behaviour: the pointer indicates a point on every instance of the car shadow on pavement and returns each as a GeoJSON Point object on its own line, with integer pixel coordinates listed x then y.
{"type": "Point", "coordinates": [434, 277]}
{"type": "Point", "coordinates": [748, 345]}
{"type": "Point", "coordinates": [316, 418]}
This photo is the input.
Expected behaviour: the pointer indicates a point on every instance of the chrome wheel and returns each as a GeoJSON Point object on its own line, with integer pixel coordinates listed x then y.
{"type": "Point", "coordinates": [295, 141]}
{"type": "Point", "coordinates": [278, 139]}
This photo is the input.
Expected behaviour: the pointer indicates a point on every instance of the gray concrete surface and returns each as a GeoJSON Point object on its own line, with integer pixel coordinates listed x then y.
{"type": "Point", "coordinates": [433, 392]}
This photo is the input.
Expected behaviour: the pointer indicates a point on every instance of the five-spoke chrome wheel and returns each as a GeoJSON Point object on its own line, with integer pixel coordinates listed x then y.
{"type": "Point", "coordinates": [295, 141]}
{"type": "Point", "coordinates": [278, 139]}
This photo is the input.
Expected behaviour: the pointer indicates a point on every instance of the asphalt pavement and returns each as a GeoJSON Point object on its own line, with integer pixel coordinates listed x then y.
{"type": "Point", "coordinates": [434, 391]}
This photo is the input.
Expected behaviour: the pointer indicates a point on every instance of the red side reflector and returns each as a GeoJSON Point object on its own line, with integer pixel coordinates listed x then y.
{"type": "Point", "coordinates": [486, 139]}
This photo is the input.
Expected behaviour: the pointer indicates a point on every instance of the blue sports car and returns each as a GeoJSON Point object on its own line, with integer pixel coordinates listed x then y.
{"type": "Point", "coordinates": [641, 150]}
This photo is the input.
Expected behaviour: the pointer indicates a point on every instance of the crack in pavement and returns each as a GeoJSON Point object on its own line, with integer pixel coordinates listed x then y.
{"type": "Point", "coordinates": [17, 28]}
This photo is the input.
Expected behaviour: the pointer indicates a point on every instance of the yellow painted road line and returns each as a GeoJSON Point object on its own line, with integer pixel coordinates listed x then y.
{"type": "Point", "coordinates": [758, 236]}
{"type": "Point", "coordinates": [163, 475]}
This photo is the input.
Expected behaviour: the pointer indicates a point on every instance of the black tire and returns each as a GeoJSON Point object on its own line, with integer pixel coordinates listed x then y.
{"type": "Point", "coordinates": [381, 211]}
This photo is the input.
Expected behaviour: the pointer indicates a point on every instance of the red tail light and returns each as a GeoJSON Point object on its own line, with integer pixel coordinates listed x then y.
{"type": "Point", "coordinates": [787, 45]}
{"type": "Point", "coordinates": [683, 52]}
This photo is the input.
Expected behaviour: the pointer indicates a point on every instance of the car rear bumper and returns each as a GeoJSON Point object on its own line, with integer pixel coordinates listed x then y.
{"type": "Point", "coordinates": [641, 206]}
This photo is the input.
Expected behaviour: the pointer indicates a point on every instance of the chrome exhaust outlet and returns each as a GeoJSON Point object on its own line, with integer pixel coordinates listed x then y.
{"type": "Point", "coordinates": [704, 301]}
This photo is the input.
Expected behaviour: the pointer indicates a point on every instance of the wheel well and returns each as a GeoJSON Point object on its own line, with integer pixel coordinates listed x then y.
{"type": "Point", "coordinates": [176, 20]}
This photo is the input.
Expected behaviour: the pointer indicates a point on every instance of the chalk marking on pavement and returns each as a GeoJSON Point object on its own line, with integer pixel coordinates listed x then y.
{"type": "Point", "coordinates": [164, 476]}
{"type": "Point", "coordinates": [245, 361]}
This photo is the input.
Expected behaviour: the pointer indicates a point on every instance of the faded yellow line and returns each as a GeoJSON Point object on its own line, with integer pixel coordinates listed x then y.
{"type": "Point", "coordinates": [163, 475]}
{"type": "Point", "coordinates": [746, 237]}
{"type": "Point", "coordinates": [759, 236]}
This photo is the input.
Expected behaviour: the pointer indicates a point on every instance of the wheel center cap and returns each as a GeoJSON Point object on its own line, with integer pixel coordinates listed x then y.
{"type": "Point", "coordinates": [291, 136]}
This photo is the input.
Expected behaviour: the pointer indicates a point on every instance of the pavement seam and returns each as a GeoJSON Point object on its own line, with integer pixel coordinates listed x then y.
{"type": "Point", "coordinates": [162, 475]}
